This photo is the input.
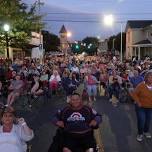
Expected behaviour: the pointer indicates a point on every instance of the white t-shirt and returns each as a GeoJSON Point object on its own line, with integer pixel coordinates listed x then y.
{"type": "Point", "coordinates": [14, 141]}
{"type": "Point", "coordinates": [57, 78]}
{"type": "Point", "coordinates": [75, 69]}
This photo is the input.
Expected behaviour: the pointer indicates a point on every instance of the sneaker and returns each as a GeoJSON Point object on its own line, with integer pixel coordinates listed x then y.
{"type": "Point", "coordinates": [147, 135]}
{"type": "Point", "coordinates": [139, 138]}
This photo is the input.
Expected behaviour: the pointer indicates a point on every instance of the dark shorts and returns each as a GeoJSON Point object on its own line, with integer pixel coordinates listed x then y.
{"type": "Point", "coordinates": [78, 142]}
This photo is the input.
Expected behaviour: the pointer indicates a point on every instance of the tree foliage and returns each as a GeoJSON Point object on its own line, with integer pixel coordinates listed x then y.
{"type": "Point", "coordinates": [22, 20]}
{"type": "Point", "coordinates": [77, 47]}
{"type": "Point", "coordinates": [90, 40]}
{"type": "Point", "coordinates": [91, 44]}
{"type": "Point", "coordinates": [116, 39]}
{"type": "Point", "coordinates": [51, 42]}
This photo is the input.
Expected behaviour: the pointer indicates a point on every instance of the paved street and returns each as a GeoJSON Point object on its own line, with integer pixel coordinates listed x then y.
{"type": "Point", "coordinates": [118, 130]}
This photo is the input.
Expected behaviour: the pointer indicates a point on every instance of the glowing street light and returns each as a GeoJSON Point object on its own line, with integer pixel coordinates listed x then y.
{"type": "Point", "coordinates": [6, 29]}
{"type": "Point", "coordinates": [98, 37]}
{"type": "Point", "coordinates": [108, 20]}
{"type": "Point", "coordinates": [69, 34]}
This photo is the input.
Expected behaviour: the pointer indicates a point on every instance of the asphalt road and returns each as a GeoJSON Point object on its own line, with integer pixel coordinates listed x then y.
{"type": "Point", "coordinates": [119, 129]}
{"type": "Point", "coordinates": [117, 132]}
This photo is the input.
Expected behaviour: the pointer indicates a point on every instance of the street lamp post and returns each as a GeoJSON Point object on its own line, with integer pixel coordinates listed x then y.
{"type": "Point", "coordinates": [121, 45]}
{"type": "Point", "coordinates": [6, 29]}
{"type": "Point", "coordinates": [7, 46]}
{"type": "Point", "coordinates": [108, 21]}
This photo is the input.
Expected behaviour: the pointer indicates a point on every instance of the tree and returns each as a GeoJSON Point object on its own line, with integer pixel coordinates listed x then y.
{"type": "Point", "coordinates": [77, 47]}
{"type": "Point", "coordinates": [117, 42]}
{"type": "Point", "coordinates": [110, 42]}
{"type": "Point", "coordinates": [22, 20]}
{"type": "Point", "coordinates": [51, 42]}
{"type": "Point", "coordinates": [91, 44]}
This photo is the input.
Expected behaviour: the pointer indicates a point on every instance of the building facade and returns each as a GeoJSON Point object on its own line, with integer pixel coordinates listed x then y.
{"type": "Point", "coordinates": [63, 40]}
{"type": "Point", "coordinates": [103, 45]}
{"type": "Point", "coordinates": [35, 43]}
{"type": "Point", "coordinates": [139, 39]}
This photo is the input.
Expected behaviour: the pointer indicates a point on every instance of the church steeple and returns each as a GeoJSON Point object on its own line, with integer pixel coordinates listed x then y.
{"type": "Point", "coordinates": [63, 40]}
{"type": "Point", "coordinates": [63, 29]}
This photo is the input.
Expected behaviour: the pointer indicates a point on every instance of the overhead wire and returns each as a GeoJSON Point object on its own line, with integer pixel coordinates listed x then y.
{"type": "Point", "coordinates": [57, 15]}
{"type": "Point", "coordinates": [71, 13]}
{"type": "Point", "coordinates": [83, 21]}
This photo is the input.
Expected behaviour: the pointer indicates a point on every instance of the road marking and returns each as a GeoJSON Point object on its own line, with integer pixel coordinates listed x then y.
{"type": "Point", "coordinates": [97, 134]}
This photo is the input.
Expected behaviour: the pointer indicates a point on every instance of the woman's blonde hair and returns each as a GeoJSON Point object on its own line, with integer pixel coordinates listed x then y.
{"type": "Point", "coordinates": [66, 73]}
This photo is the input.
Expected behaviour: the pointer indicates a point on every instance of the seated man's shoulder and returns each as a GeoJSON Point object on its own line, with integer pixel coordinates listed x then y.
{"type": "Point", "coordinates": [88, 108]}
{"type": "Point", "coordinates": [66, 108]}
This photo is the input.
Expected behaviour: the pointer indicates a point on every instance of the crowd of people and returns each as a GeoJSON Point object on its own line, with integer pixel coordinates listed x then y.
{"type": "Point", "coordinates": [102, 75]}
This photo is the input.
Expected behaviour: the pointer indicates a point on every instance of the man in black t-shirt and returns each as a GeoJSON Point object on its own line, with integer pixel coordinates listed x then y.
{"type": "Point", "coordinates": [78, 122]}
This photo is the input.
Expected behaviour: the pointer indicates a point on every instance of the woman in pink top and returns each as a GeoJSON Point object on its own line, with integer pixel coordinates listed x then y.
{"type": "Point", "coordinates": [91, 85]}
{"type": "Point", "coordinates": [54, 80]}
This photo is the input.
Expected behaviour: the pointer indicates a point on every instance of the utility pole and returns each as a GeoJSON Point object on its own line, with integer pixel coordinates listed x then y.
{"type": "Point", "coordinates": [7, 44]}
{"type": "Point", "coordinates": [40, 33]}
{"type": "Point", "coordinates": [121, 55]}
{"type": "Point", "coordinates": [39, 13]}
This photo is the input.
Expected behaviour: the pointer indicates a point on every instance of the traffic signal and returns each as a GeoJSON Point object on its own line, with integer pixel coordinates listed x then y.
{"type": "Point", "coordinates": [77, 46]}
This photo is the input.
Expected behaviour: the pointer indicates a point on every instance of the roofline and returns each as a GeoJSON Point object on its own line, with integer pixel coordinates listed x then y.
{"type": "Point", "coordinates": [148, 26]}
{"type": "Point", "coordinates": [142, 45]}
{"type": "Point", "coordinates": [127, 25]}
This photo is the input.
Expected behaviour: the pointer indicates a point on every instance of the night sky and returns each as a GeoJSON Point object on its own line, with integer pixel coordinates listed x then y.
{"type": "Point", "coordinates": [85, 17]}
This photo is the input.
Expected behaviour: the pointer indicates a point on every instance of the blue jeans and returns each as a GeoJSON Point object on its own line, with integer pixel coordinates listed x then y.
{"type": "Point", "coordinates": [143, 119]}
{"type": "Point", "coordinates": [92, 90]}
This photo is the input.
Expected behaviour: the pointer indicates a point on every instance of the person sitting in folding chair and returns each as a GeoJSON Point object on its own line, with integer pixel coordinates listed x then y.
{"type": "Point", "coordinates": [54, 81]}
{"type": "Point", "coordinates": [37, 88]}
{"type": "Point", "coordinates": [15, 88]}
